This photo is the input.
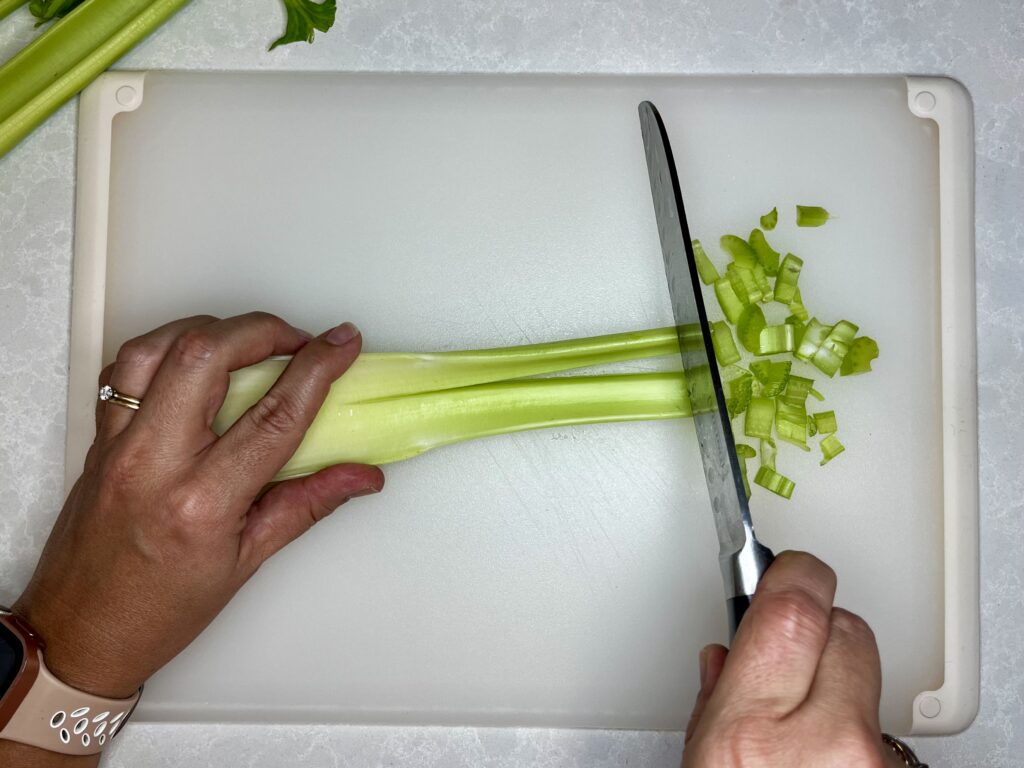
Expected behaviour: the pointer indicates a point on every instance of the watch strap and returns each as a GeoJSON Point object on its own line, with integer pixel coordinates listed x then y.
{"type": "Point", "coordinates": [59, 718]}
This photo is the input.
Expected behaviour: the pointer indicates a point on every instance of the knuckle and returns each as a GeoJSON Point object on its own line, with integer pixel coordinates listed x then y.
{"type": "Point", "coordinates": [796, 615]}
{"type": "Point", "coordinates": [138, 351]}
{"type": "Point", "coordinates": [119, 466]}
{"type": "Point", "coordinates": [853, 625]}
{"type": "Point", "coordinates": [264, 318]}
{"type": "Point", "coordinates": [188, 509]}
{"type": "Point", "coordinates": [194, 346]}
{"type": "Point", "coordinates": [275, 414]}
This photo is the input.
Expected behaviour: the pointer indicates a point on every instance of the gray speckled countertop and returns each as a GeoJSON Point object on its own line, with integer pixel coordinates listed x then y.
{"type": "Point", "coordinates": [980, 42]}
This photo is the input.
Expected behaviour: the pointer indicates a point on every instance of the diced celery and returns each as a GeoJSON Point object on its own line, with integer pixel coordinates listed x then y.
{"type": "Point", "coordinates": [725, 348]}
{"type": "Point", "coordinates": [791, 422]}
{"type": "Point", "coordinates": [705, 269]}
{"type": "Point", "coordinates": [741, 390]}
{"type": "Point", "coordinates": [766, 255]}
{"type": "Point", "coordinates": [770, 219]}
{"type": "Point", "coordinates": [789, 275]}
{"type": "Point", "coordinates": [748, 328]}
{"type": "Point", "coordinates": [830, 448]}
{"type": "Point", "coordinates": [744, 452]}
{"type": "Point", "coordinates": [776, 339]}
{"type": "Point", "coordinates": [772, 376]}
{"type": "Point", "coordinates": [730, 303]}
{"type": "Point", "coordinates": [811, 216]}
{"type": "Point", "coordinates": [778, 484]}
{"type": "Point", "coordinates": [826, 422]}
{"type": "Point", "coordinates": [760, 415]}
{"type": "Point", "coordinates": [740, 250]}
{"type": "Point", "coordinates": [863, 350]}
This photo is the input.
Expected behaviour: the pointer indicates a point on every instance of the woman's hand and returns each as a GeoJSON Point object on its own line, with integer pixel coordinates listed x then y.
{"type": "Point", "coordinates": [166, 522]}
{"type": "Point", "coordinates": [800, 686]}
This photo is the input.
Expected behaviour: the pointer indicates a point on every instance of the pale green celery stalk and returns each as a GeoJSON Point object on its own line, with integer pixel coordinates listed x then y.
{"type": "Point", "coordinates": [384, 431]}
{"type": "Point", "coordinates": [68, 56]}
{"type": "Point", "coordinates": [382, 375]}
{"type": "Point", "coordinates": [7, 7]}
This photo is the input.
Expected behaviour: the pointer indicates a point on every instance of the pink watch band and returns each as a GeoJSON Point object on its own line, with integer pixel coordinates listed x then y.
{"type": "Point", "coordinates": [59, 718]}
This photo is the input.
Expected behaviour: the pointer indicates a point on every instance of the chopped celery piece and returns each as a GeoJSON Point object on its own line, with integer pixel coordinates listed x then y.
{"type": "Point", "coordinates": [772, 376]}
{"type": "Point", "coordinates": [760, 415]}
{"type": "Point", "coordinates": [768, 451]}
{"type": "Point", "coordinates": [798, 328]}
{"type": "Point", "coordinates": [740, 250]}
{"type": "Point", "coordinates": [775, 339]}
{"type": "Point", "coordinates": [744, 452]}
{"type": "Point", "coordinates": [730, 303]}
{"type": "Point", "coordinates": [834, 347]}
{"type": "Point", "coordinates": [789, 274]}
{"type": "Point", "coordinates": [812, 427]}
{"type": "Point", "coordinates": [814, 336]}
{"type": "Point", "coordinates": [770, 219]}
{"type": "Point", "coordinates": [705, 269]}
{"type": "Point", "coordinates": [797, 389]}
{"type": "Point", "coordinates": [791, 422]}
{"type": "Point", "coordinates": [825, 422]}
{"type": "Point", "coordinates": [863, 350]}
{"type": "Point", "coordinates": [797, 308]}
{"type": "Point", "coordinates": [725, 348]}
{"type": "Point", "coordinates": [741, 389]}
{"type": "Point", "coordinates": [811, 216]}
{"type": "Point", "coordinates": [830, 448]}
{"type": "Point", "coordinates": [766, 255]}
{"type": "Point", "coordinates": [748, 328]}
{"type": "Point", "coordinates": [778, 484]}
{"type": "Point", "coordinates": [745, 283]}
{"type": "Point", "coordinates": [763, 285]}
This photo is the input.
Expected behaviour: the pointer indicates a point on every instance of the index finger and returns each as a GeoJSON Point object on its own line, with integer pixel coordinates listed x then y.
{"type": "Point", "coordinates": [192, 380]}
{"type": "Point", "coordinates": [772, 664]}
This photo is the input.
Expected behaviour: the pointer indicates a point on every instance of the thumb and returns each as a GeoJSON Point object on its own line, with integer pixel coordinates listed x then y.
{"type": "Point", "coordinates": [712, 659]}
{"type": "Point", "coordinates": [291, 508]}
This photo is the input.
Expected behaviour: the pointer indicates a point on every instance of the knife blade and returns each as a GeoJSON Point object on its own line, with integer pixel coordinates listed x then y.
{"type": "Point", "coordinates": [742, 557]}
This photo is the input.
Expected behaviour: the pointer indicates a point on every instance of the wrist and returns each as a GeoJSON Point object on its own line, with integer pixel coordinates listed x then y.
{"type": "Point", "coordinates": [77, 652]}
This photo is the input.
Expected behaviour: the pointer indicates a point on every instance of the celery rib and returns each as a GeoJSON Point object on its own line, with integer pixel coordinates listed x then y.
{"type": "Point", "coordinates": [385, 431]}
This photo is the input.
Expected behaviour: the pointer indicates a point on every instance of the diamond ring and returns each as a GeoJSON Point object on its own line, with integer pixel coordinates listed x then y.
{"type": "Point", "coordinates": [110, 395]}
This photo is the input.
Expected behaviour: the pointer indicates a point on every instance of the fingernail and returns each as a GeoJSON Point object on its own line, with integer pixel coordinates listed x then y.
{"type": "Point", "coordinates": [343, 334]}
{"type": "Point", "coordinates": [703, 662]}
{"type": "Point", "coordinates": [304, 334]}
{"type": "Point", "coordinates": [366, 492]}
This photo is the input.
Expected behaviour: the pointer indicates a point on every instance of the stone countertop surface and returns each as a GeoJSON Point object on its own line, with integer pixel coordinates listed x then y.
{"type": "Point", "coordinates": [979, 42]}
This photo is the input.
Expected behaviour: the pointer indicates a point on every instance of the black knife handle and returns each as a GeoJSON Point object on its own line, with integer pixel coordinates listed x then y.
{"type": "Point", "coordinates": [736, 607]}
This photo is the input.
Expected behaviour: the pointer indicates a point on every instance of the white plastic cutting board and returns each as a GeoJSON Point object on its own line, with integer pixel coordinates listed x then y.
{"type": "Point", "coordinates": [565, 577]}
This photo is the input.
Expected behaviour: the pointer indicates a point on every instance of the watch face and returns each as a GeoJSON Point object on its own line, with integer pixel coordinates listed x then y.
{"type": "Point", "coordinates": [11, 657]}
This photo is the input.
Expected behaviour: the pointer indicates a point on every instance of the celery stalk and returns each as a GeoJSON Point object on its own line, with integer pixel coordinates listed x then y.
{"type": "Point", "coordinates": [7, 7]}
{"type": "Point", "coordinates": [393, 429]}
{"type": "Point", "coordinates": [68, 56]}
{"type": "Point", "coordinates": [383, 375]}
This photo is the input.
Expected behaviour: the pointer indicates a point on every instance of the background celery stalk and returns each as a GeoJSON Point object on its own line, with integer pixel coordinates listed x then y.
{"type": "Point", "coordinates": [7, 7]}
{"type": "Point", "coordinates": [389, 430]}
{"type": "Point", "coordinates": [65, 58]}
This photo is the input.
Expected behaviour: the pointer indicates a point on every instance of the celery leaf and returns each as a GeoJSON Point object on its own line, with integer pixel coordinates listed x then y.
{"type": "Point", "coordinates": [304, 18]}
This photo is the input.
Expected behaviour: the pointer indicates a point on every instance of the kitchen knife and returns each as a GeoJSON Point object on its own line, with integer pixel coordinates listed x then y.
{"type": "Point", "coordinates": [742, 557]}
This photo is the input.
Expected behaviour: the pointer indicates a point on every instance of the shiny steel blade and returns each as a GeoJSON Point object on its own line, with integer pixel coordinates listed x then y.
{"type": "Point", "coordinates": [704, 385]}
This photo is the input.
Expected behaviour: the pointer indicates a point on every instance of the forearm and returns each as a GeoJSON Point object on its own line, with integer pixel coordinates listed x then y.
{"type": "Point", "coordinates": [13, 755]}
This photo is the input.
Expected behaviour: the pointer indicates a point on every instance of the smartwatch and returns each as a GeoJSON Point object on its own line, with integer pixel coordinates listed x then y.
{"type": "Point", "coordinates": [38, 709]}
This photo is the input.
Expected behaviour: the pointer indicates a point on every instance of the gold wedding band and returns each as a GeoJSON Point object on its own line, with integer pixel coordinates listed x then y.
{"type": "Point", "coordinates": [110, 395]}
